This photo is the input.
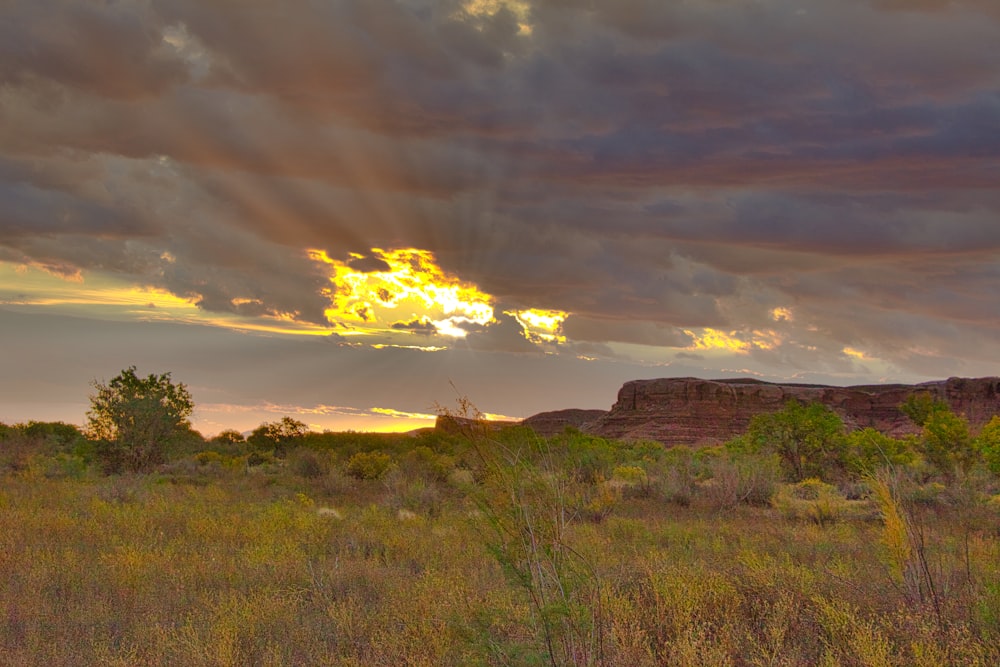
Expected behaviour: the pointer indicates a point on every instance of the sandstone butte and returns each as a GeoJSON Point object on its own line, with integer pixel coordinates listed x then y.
{"type": "Point", "coordinates": [692, 411]}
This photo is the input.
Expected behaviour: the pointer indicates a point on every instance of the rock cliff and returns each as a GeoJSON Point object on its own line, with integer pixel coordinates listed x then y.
{"type": "Point", "coordinates": [547, 424]}
{"type": "Point", "coordinates": [691, 411]}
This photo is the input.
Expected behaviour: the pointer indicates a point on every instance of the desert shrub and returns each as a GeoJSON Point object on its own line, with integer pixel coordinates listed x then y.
{"type": "Point", "coordinates": [928, 495]}
{"type": "Point", "coordinates": [208, 457]}
{"type": "Point", "coordinates": [758, 478]}
{"type": "Point", "coordinates": [422, 461]}
{"type": "Point", "coordinates": [631, 481]}
{"type": "Point", "coordinates": [677, 485]}
{"type": "Point", "coordinates": [588, 459]}
{"type": "Point", "coordinates": [461, 478]}
{"type": "Point", "coordinates": [648, 450]}
{"type": "Point", "coordinates": [702, 459]}
{"type": "Point", "coordinates": [56, 437]}
{"type": "Point", "coordinates": [673, 475]}
{"type": "Point", "coordinates": [306, 463]}
{"type": "Point", "coordinates": [601, 500]}
{"type": "Point", "coordinates": [368, 465]}
{"type": "Point", "coordinates": [259, 458]}
{"type": "Point", "coordinates": [812, 500]}
{"type": "Point", "coordinates": [412, 494]}
{"type": "Point", "coordinates": [743, 479]}
{"type": "Point", "coordinates": [56, 466]}
{"type": "Point", "coordinates": [528, 499]}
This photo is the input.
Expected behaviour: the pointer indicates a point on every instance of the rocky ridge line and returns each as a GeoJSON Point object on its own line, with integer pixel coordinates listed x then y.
{"type": "Point", "coordinates": [693, 411]}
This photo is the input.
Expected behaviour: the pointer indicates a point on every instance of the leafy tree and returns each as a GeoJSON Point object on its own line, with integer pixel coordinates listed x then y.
{"type": "Point", "coordinates": [230, 436]}
{"type": "Point", "coordinates": [945, 441]}
{"type": "Point", "coordinates": [809, 440]}
{"type": "Point", "coordinates": [988, 444]}
{"type": "Point", "coordinates": [920, 406]}
{"type": "Point", "coordinates": [869, 450]}
{"type": "Point", "coordinates": [279, 436]}
{"type": "Point", "coordinates": [228, 440]}
{"type": "Point", "coordinates": [135, 419]}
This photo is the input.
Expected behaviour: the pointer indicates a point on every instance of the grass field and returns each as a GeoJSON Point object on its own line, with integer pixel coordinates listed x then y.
{"type": "Point", "coordinates": [514, 551]}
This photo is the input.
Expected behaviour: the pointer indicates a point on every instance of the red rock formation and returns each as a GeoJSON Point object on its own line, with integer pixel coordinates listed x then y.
{"type": "Point", "coordinates": [547, 424]}
{"type": "Point", "coordinates": [692, 411]}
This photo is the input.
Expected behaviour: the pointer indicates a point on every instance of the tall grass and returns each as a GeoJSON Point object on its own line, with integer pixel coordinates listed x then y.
{"type": "Point", "coordinates": [455, 557]}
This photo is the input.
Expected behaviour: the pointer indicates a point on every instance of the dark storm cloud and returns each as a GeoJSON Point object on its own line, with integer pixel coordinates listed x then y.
{"type": "Point", "coordinates": [369, 264]}
{"type": "Point", "coordinates": [507, 335]}
{"type": "Point", "coordinates": [639, 333]}
{"type": "Point", "coordinates": [110, 50]}
{"type": "Point", "coordinates": [417, 326]}
{"type": "Point", "coordinates": [647, 166]}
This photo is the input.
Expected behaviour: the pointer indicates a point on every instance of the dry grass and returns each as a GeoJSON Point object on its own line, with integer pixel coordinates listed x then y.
{"type": "Point", "coordinates": [223, 566]}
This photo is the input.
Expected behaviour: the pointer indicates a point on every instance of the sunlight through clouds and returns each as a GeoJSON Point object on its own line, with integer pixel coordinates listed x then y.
{"type": "Point", "coordinates": [405, 290]}
{"type": "Point", "coordinates": [23, 286]}
{"type": "Point", "coordinates": [543, 326]}
{"type": "Point", "coordinates": [488, 8]}
{"type": "Point", "coordinates": [857, 354]}
{"type": "Point", "coordinates": [734, 341]}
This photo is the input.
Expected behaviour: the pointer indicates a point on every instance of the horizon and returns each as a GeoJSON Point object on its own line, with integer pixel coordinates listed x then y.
{"type": "Point", "coordinates": [351, 214]}
{"type": "Point", "coordinates": [423, 422]}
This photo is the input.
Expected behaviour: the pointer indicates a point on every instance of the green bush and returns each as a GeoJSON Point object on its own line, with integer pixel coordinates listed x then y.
{"type": "Point", "coordinates": [988, 444]}
{"type": "Point", "coordinates": [422, 461]}
{"type": "Point", "coordinates": [369, 465]}
{"type": "Point", "coordinates": [812, 500]}
{"type": "Point", "coordinates": [631, 480]}
{"type": "Point", "coordinates": [868, 450]}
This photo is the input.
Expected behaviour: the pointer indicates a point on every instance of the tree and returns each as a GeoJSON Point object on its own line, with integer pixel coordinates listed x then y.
{"type": "Point", "coordinates": [868, 450]}
{"type": "Point", "coordinates": [919, 407]}
{"type": "Point", "coordinates": [135, 419]}
{"type": "Point", "coordinates": [944, 440]}
{"type": "Point", "coordinates": [809, 440]}
{"type": "Point", "coordinates": [228, 437]}
{"type": "Point", "coordinates": [988, 444]}
{"type": "Point", "coordinates": [277, 436]}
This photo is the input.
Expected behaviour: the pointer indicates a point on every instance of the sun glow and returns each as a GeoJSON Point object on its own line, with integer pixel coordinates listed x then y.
{"type": "Point", "coordinates": [24, 286]}
{"type": "Point", "coordinates": [402, 290]}
{"type": "Point", "coordinates": [857, 354]}
{"type": "Point", "coordinates": [712, 339]}
{"type": "Point", "coordinates": [398, 298]}
{"type": "Point", "coordinates": [541, 326]}
{"type": "Point", "coordinates": [733, 341]}
{"type": "Point", "coordinates": [781, 314]}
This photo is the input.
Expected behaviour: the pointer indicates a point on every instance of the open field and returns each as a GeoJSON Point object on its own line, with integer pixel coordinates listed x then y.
{"type": "Point", "coordinates": [504, 550]}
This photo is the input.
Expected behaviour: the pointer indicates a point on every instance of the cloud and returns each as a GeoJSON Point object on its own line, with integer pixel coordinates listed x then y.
{"type": "Point", "coordinates": [505, 334]}
{"type": "Point", "coordinates": [648, 167]}
{"type": "Point", "coordinates": [638, 333]}
{"type": "Point", "coordinates": [417, 325]}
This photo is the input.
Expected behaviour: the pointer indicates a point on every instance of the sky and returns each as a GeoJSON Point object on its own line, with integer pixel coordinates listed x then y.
{"type": "Point", "coordinates": [353, 212]}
